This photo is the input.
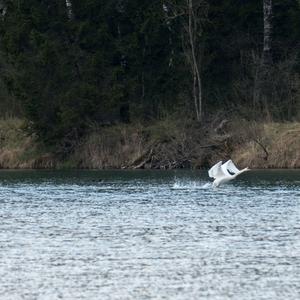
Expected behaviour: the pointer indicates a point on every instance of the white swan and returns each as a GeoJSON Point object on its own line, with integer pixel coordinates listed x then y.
{"type": "Point", "coordinates": [223, 173]}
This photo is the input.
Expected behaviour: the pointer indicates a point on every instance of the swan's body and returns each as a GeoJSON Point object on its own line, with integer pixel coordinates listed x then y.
{"type": "Point", "coordinates": [223, 173]}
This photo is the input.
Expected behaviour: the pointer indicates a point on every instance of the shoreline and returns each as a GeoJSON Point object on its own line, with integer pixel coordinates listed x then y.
{"type": "Point", "coordinates": [161, 145]}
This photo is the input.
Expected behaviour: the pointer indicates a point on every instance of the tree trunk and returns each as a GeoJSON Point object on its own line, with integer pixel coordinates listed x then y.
{"type": "Point", "coordinates": [192, 14]}
{"type": "Point", "coordinates": [268, 15]}
{"type": "Point", "coordinates": [262, 90]}
{"type": "Point", "coordinates": [197, 87]}
{"type": "Point", "coordinates": [69, 9]}
{"type": "Point", "coordinates": [3, 8]}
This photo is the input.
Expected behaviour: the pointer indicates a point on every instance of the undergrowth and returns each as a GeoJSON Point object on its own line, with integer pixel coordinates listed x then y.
{"type": "Point", "coordinates": [163, 144]}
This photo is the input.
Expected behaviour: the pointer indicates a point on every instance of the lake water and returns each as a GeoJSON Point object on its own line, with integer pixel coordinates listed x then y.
{"type": "Point", "coordinates": [149, 235]}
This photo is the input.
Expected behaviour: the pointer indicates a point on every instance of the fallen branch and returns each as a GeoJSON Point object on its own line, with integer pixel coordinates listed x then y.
{"type": "Point", "coordinates": [263, 147]}
{"type": "Point", "coordinates": [142, 164]}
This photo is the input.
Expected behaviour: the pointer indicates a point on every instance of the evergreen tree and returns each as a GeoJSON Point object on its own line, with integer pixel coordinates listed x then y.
{"type": "Point", "coordinates": [71, 63]}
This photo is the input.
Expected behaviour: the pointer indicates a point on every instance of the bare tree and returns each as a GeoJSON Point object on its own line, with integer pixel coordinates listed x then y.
{"type": "Point", "coordinates": [193, 15]}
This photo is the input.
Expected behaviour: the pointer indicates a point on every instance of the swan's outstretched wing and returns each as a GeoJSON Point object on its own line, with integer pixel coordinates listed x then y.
{"type": "Point", "coordinates": [229, 168]}
{"type": "Point", "coordinates": [216, 171]}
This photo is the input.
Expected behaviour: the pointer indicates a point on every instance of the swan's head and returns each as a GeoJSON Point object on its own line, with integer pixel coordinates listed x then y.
{"type": "Point", "coordinates": [245, 170]}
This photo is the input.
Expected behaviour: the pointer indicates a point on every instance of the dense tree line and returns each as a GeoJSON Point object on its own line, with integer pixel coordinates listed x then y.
{"type": "Point", "coordinates": [66, 65]}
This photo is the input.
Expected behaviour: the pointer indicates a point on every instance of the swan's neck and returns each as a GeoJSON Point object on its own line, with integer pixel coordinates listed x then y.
{"type": "Point", "coordinates": [241, 171]}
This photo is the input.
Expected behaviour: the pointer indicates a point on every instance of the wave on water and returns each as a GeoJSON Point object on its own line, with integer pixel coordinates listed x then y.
{"type": "Point", "coordinates": [182, 185]}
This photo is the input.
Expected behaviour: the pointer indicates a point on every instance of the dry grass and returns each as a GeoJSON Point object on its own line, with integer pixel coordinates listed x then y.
{"type": "Point", "coordinates": [12, 143]}
{"type": "Point", "coordinates": [164, 144]}
{"type": "Point", "coordinates": [281, 141]}
{"type": "Point", "coordinates": [20, 151]}
{"type": "Point", "coordinates": [111, 147]}
{"type": "Point", "coordinates": [169, 143]}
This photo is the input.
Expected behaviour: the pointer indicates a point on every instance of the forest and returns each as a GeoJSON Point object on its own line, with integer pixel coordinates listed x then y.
{"type": "Point", "coordinates": [164, 80]}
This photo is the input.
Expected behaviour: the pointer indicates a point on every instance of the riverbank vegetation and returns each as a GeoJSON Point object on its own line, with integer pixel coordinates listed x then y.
{"type": "Point", "coordinates": [164, 144]}
{"type": "Point", "coordinates": [149, 84]}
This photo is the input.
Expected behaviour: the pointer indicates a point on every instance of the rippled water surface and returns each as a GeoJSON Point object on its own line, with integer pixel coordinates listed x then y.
{"type": "Point", "coordinates": [149, 235]}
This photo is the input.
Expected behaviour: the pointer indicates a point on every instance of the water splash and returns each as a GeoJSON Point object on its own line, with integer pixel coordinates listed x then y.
{"type": "Point", "coordinates": [190, 185]}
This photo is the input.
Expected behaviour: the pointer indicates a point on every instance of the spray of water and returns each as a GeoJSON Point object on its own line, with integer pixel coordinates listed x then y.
{"type": "Point", "coordinates": [191, 185]}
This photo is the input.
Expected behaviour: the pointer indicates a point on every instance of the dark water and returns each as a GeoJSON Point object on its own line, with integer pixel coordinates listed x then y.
{"type": "Point", "coordinates": [149, 235]}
